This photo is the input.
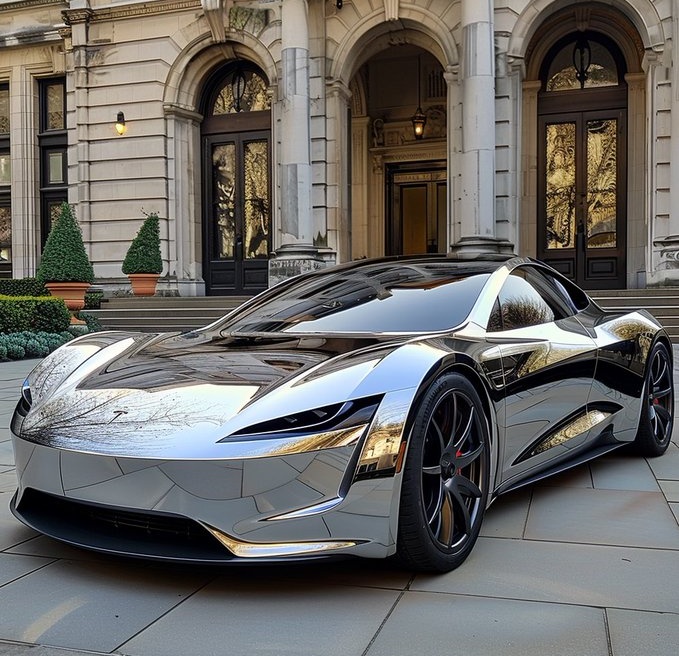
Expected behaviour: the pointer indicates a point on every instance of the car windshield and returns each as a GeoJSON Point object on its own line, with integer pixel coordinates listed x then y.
{"type": "Point", "coordinates": [391, 297]}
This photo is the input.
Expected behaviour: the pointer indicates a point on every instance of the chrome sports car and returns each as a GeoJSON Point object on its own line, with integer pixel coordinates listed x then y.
{"type": "Point", "coordinates": [372, 409]}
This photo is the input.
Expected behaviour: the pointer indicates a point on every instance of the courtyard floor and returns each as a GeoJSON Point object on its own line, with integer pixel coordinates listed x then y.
{"type": "Point", "coordinates": [583, 564]}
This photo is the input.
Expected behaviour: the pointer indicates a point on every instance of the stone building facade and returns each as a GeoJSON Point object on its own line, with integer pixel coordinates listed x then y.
{"type": "Point", "coordinates": [276, 136]}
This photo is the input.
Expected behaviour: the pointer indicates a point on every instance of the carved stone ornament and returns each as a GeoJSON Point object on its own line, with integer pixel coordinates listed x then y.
{"type": "Point", "coordinates": [391, 8]}
{"type": "Point", "coordinates": [215, 12]}
{"type": "Point", "coordinates": [669, 251]}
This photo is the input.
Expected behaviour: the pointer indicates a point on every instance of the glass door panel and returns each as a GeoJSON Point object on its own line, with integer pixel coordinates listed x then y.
{"type": "Point", "coordinates": [581, 211]}
{"type": "Point", "coordinates": [237, 220]}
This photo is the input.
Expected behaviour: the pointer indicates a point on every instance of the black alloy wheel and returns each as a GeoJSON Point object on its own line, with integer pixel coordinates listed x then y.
{"type": "Point", "coordinates": [657, 404]}
{"type": "Point", "coordinates": [445, 480]}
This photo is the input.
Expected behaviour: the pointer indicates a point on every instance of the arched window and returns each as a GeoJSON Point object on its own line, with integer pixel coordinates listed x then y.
{"type": "Point", "coordinates": [243, 90]}
{"type": "Point", "coordinates": [585, 60]}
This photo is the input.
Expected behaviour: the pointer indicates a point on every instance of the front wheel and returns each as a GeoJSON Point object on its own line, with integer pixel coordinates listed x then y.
{"type": "Point", "coordinates": [445, 477]}
{"type": "Point", "coordinates": [657, 404]}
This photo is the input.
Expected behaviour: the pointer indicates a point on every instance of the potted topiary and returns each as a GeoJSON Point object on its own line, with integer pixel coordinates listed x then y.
{"type": "Point", "coordinates": [64, 268]}
{"type": "Point", "coordinates": [143, 262]}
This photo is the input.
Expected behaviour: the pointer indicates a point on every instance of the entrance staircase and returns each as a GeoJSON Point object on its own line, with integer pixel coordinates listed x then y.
{"type": "Point", "coordinates": [170, 313]}
{"type": "Point", "coordinates": [164, 313]}
{"type": "Point", "coordinates": [661, 302]}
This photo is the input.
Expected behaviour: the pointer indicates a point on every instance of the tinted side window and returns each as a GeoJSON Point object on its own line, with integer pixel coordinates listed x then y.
{"type": "Point", "coordinates": [520, 305]}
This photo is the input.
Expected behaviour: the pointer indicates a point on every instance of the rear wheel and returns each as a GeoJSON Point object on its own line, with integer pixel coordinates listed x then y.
{"type": "Point", "coordinates": [657, 404]}
{"type": "Point", "coordinates": [445, 478]}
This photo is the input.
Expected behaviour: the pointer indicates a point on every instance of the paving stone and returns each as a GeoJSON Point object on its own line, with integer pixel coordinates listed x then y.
{"type": "Point", "coordinates": [580, 476]}
{"type": "Point", "coordinates": [615, 517]}
{"type": "Point", "coordinates": [667, 466]}
{"type": "Point", "coordinates": [15, 567]}
{"type": "Point", "coordinates": [675, 509]}
{"type": "Point", "coordinates": [264, 617]}
{"type": "Point", "coordinates": [6, 454]}
{"type": "Point", "coordinates": [651, 634]}
{"type": "Point", "coordinates": [433, 624]}
{"type": "Point", "coordinates": [670, 490]}
{"type": "Point", "coordinates": [623, 473]}
{"type": "Point", "coordinates": [587, 575]}
{"type": "Point", "coordinates": [507, 515]}
{"type": "Point", "coordinates": [12, 531]}
{"type": "Point", "coordinates": [91, 606]}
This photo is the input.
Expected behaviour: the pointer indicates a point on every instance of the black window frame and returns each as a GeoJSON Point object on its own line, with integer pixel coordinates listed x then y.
{"type": "Point", "coordinates": [51, 141]}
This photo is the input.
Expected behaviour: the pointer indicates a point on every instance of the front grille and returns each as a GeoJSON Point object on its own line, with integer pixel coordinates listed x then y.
{"type": "Point", "coordinates": [115, 530]}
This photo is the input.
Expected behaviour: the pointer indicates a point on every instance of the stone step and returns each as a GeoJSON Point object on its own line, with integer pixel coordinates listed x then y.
{"type": "Point", "coordinates": [167, 313]}
{"type": "Point", "coordinates": [164, 313]}
{"type": "Point", "coordinates": [661, 302]}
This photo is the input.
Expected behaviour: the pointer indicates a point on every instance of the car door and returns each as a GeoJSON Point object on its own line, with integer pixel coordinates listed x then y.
{"type": "Point", "coordinates": [548, 361]}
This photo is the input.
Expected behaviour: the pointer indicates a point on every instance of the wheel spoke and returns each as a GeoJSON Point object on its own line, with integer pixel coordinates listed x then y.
{"type": "Point", "coordinates": [447, 530]}
{"type": "Point", "coordinates": [660, 393]}
{"type": "Point", "coordinates": [434, 514]}
{"type": "Point", "coordinates": [462, 508]}
{"type": "Point", "coordinates": [466, 459]}
{"type": "Point", "coordinates": [434, 470]}
{"type": "Point", "coordinates": [466, 433]}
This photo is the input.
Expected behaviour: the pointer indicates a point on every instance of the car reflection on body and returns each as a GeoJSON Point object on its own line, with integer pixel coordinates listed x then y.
{"type": "Point", "coordinates": [372, 409]}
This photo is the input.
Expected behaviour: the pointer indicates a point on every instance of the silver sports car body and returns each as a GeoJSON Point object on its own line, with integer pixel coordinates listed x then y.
{"type": "Point", "coordinates": [372, 409]}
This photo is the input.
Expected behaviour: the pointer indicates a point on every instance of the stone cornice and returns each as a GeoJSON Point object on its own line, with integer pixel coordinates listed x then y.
{"type": "Point", "coordinates": [30, 4]}
{"type": "Point", "coordinates": [128, 11]}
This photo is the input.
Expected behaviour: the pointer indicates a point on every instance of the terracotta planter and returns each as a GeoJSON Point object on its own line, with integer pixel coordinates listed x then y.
{"type": "Point", "coordinates": [73, 293]}
{"type": "Point", "coordinates": [143, 284]}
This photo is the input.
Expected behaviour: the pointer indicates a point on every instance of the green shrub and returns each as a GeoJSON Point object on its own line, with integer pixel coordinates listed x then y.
{"type": "Point", "coordinates": [93, 300]}
{"type": "Point", "coordinates": [64, 258]}
{"type": "Point", "coordinates": [22, 287]}
{"type": "Point", "coordinates": [144, 255]}
{"type": "Point", "coordinates": [92, 323]}
{"type": "Point", "coordinates": [46, 313]}
{"type": "Point", "coordinates": [16, 346]}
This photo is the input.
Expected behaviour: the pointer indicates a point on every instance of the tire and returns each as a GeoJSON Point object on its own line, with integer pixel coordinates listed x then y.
{"type": "Point", "coordinates": [445, 478]}
{"type": "Point", "coordinates": [657, 404]}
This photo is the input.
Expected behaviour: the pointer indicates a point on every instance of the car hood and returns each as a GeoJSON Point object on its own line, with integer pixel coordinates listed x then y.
{"type": "Point", "coordinates": [132, 393]}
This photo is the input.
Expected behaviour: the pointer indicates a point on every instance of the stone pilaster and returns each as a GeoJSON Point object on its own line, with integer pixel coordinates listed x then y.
{"type": "Point", "coordinates": [475, 227]}
{"type": "Point", "coordinates": [296, 252]}
{"type": "Point", "coordinates": [668, 245]}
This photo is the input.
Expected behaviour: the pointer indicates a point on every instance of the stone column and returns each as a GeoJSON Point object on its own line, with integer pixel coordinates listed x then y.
{"type": "Point", "coordinates": [667, 271]}
{"type": "Point", "coordinates": [296, 253]}
{"type": "Point", "coordinates": [476, 223]}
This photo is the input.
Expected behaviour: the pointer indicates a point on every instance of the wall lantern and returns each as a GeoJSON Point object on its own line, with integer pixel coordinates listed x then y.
{"type": "Point", "coordinates": [238, 84]}
{"type": "Point", "coordinates": [121, 128]}
{"type": "Point", "coordinates": [419, 118]}
{"type": "Point", "coordinates": [582, 58]}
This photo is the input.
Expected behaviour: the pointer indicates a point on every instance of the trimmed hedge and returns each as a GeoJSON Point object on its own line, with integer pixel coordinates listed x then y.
{"type": "Point", "coordinates": [22, 287]}
{"type": "Point", "coordinates": [25, 344]}
{"type": "Point", "coordinates": [43, 313]}
{"type": "Point", "coordinates": [64, 258]}
{"type": "Point", "coordinates": [143, 255]}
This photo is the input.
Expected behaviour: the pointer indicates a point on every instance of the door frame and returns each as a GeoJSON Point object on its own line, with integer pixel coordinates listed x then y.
{"type": "Point", "coordinates": [580, 263]}
{"type": "Point", "coordinates": [241, 265]}
{"type": "Point", "coordinates": [421, 172]}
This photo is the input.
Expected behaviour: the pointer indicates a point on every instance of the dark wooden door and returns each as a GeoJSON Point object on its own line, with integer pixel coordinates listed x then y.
{"type": "Point", "coordinates": [416, 220]}
{"type": "Point", "coordinates": [582, 213]}
{"type": "Point", "coordinates": [237, 221]}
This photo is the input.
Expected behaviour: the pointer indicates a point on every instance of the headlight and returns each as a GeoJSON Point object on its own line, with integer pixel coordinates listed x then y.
{"type": "Point", "coordinates": [336, 417]}
{"type": "Point", "coordinates": [26, 400]}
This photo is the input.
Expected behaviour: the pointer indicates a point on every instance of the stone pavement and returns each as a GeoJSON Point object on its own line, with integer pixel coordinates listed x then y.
{"type": "Point", "coordinates": [584, 564]}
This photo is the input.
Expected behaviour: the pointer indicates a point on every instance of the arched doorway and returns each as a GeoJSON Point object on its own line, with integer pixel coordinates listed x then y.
{"type": "Point", "coordinates": [399, 175]}
{"type": "Point", "coordinates": [582, 141]}
{"type": "Point", "coordinates": [236, 156]}
{"type": "Point", "coordinates": [584, 146]}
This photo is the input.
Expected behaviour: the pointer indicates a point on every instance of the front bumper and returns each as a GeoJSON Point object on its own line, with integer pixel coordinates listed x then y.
{"type": "Point", "coordinates": [270, 508]}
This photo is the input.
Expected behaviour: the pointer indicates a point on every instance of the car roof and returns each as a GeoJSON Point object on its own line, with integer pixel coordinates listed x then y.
{"type": "Point", "coordinates": [476, 263]}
